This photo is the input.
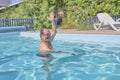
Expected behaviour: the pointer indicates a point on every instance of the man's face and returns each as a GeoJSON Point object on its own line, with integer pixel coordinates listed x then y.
{"type": "Point", "coordinates": [46, 35]}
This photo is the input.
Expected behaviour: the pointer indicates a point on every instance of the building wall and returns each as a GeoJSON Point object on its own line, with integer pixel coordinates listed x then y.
{"type": "Point", "coordinates": [4, 2]}
{"type": "Point", "coordinates": [8, 2]}
{"type": "Point", "coordinates": [14, 1]}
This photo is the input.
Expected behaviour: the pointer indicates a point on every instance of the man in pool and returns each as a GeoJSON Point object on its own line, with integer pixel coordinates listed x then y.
{"type": "Point", "coordinates": [47, 37]}
{"type": "Point", "coordinates": [45, 46]}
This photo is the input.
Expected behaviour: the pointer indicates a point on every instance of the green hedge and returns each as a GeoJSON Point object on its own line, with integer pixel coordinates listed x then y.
{"type": "Point", "coordinates": [74, 13]}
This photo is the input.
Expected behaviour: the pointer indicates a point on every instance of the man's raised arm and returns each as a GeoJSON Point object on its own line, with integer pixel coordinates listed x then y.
{"type": "Point", "coordinates": [54, 31]}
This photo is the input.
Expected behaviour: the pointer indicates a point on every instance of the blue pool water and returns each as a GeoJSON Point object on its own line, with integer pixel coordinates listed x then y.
{"type": "Point", "coordinates": [98, 57]}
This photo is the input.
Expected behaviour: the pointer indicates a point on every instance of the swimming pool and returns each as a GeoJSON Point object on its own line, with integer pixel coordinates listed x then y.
{"type": "Point", "coordinates": [98, 57]}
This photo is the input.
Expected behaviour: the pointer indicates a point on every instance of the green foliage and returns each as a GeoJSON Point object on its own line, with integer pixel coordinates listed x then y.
{"type": "Point", "coordinates": [75, 12]}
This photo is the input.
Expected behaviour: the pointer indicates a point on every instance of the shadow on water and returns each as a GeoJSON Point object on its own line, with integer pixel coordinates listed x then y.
{"type": "Point", "coordinates": [9, 75]}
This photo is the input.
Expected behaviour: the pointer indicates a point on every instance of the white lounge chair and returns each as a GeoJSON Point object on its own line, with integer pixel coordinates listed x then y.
{"type": "Point", "coordinates": [106, 20]}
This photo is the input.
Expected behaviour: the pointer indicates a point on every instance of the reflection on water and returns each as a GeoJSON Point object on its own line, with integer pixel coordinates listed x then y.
{"type": "Point", "coordinates": [47, 60]}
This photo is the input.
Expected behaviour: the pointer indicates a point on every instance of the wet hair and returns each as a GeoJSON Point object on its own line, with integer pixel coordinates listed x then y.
{"type": "Point", "coordinates": [42, 32]}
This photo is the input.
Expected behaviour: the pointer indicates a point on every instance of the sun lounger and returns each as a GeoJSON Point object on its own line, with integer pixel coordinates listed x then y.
{"type": "Point", "coordinates": [105, 20]}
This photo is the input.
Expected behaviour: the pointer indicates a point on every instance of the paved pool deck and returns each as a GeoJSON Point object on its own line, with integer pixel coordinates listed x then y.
{"type": "Point", "coordinates": [73, 31]}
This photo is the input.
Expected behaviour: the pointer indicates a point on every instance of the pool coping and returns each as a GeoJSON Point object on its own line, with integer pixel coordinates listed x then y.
{"type": "Point", "coordinates": [74, 31]}
{"type": "Point", "coordinates": [76, 37]}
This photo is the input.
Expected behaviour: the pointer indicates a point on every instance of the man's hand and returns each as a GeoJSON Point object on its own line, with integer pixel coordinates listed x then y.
{"type": "Point", "coordinates": [51, 16]}
{"type": "Point", "coordinates": [52, 51]}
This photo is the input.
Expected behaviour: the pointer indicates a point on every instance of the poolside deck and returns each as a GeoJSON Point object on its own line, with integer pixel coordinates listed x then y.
{"type": "Point", "coordinates": [73, 31]}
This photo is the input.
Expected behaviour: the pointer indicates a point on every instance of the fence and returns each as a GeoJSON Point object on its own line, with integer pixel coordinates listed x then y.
{"type": "Point", "coordinates": [10, 22]}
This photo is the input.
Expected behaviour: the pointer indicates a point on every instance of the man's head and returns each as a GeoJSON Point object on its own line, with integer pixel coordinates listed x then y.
{"type": "Point", "coordinates": [45, 34]}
